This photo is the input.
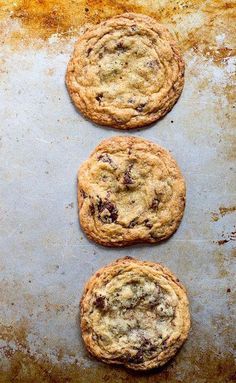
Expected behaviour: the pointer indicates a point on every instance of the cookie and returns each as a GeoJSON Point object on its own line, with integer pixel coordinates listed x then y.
{"type": "Point", "coordinates": [134, 313]}
{"type": "Point", "coordinates": [130, 190]}
{"type": "Point", "coordinates": [125, 72]}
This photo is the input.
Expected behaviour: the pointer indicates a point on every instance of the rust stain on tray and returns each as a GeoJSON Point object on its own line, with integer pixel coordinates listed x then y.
{"type": "Point", "coordinates": [196, 23]}
{"type": "Point", "coordinates": [25, 366]}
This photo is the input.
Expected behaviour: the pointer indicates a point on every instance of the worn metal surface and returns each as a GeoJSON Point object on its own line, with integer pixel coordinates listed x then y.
{"type": "Point", "coordinates": [44, 257]}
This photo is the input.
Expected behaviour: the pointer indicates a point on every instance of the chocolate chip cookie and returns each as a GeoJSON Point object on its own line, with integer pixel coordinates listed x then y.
{"type": "Point", "coordinates": [125, 72]}
{"type": "Point", "coordinates": [134, 313]}
{"type": "Point", "coordinates": [130, 190]}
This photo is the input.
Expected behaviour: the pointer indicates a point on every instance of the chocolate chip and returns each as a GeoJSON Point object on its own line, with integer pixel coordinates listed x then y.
{"type": "Point", "coordinates": [120, 47]}
{"type": "Point", "coordinates": [83, 194]}
{"type": "Point", "coordinates": [112, 214]}
{"type": "Point", "coordinates": [127, 176]}
{"type": "Point", "coordinates": [152, 64]}
{"type": "Point", "coordinates": [92, 209]}
{"type": "Point", "coordinates": [147, 345]}
{"type": "Point", "coordinates": [133, 223]}
{"type": "Point", "coordinates": [86, 9]}
{"type": "Point", "coordinates": [105, 158]}
{"type": "Point", "coordinates": [148, 224]}
{"type": "Point", "coordinates": [100, 302]}
{"type": "Point", "coordinates": [138, 358]}
{"type": "Point", "coordinates": [134, 28]}
{"type": "Point", "coordinates": [140, 107]}
{"type": "Point", "coordinates": [99, 97]}
{"type": "Point", "coordinates": [100, 55]}
{"type": "Point", "coordinates": [89, 51]}
{"type": "Point", "coordinates": [131, 100]}
{"type": "Point", "coordinates": [155, 203]}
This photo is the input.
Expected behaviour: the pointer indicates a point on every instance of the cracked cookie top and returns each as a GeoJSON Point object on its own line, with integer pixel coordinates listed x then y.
{"type": "Point", "coordinates": [134, 313]}
{"type": "Point", "coordinates": [125, 72]}
{"type": "Point", "coordinates": [130, 190]}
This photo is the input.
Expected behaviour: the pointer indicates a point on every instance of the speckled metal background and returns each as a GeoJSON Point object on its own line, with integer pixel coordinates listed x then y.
{"type": "Point", "coordinates": [45, 258]}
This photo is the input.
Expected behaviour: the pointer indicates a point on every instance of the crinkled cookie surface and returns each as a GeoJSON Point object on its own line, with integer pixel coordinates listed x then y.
{"type": "Point", "coordinates": [134, 313]}
{"type": "Point", "coordinates": [125, 72]}
{"type": "Point", "coordinates": [130, 190]}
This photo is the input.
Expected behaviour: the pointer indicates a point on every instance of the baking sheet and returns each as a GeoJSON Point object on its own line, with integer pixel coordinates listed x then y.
{"type": "Point", "coordinates": [45, 258]}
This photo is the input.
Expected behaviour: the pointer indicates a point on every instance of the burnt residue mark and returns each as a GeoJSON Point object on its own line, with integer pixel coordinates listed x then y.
{"type": "Point", "coordinates": [222, 241]}
{"type": "Point", "coordinates": [107, 211]}
{"type": "Point", "coordinates": [127, 175]}
{"type": "Point", "coordinates": [227, 237]}
{"type": "Point", "coordinates": [226, 210]}
{"type": "Point", "coordinates": [215, 216]}
{"type": "Point", "coordinates": [203, 360]}
{"type": "Point", "coordinates": [70, 205]}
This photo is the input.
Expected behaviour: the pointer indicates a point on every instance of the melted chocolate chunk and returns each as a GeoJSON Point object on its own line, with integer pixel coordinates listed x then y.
{"type": "Point", "coordinates": [131, 100]}
{"type": "Point", "coordinates": [112, 214]}
{"type": "Point", "coordinates": [99, 97]}
{"type": "Point", "coordinates": [138, 358]}
{"type": "Point", "coordinates": [134, 28]}
{"type": "Point", "coordinates": [100, 302]}
{"type": "Point", "coordinates": [89, 51]}
{"type": "Point", "coordinates": [147, 345]}
{"type": "Point", "coordinates": [155, 203]}
{"type": "Point", "coordinates": [140, 107]}
{"type": "Point", "coordinates": [106, 158]}
{"type": "Point", "coordinates": [83, 194]}
{"type": "Point", "coordinates": [127, 176]}
{"type": "Point", "coordinates": [133, 223]}
{"type": "Point", "coordinates": [120, 47]}
{"type": "Point", "coordinates": [92, 209]}
{"type": "Point", "coordinates": [152, 64]}
{"type": "Point", "coordinates": [148, 224]}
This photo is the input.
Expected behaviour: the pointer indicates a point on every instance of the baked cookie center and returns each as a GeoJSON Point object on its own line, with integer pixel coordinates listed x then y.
{"type": "Point", "coordinates": [128, 192]}
{"type": "Point", "coordinates": [135, 315]}
{"type": "Point", "coordinates": [125, 72]}
{"type": "Point", "coordinates": [129, 71]}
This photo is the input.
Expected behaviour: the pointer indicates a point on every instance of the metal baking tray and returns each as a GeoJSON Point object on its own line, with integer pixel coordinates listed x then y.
{"type": "Point", "coordinates": [45, 258]}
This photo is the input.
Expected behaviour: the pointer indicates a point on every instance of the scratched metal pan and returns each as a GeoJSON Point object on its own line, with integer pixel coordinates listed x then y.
{"type": "Point", "coordinates": [45, 258]}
